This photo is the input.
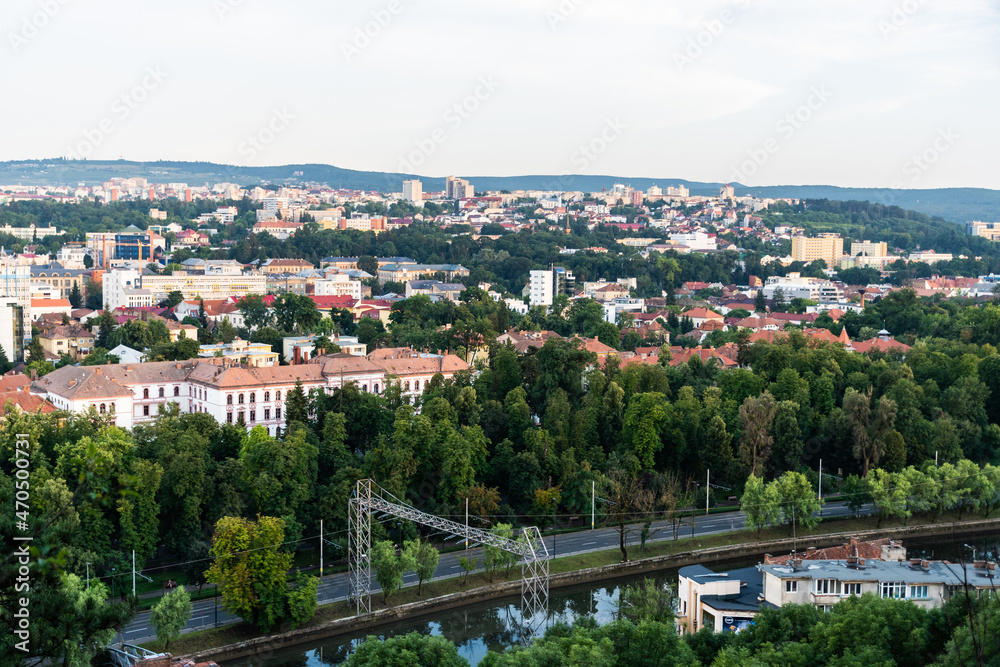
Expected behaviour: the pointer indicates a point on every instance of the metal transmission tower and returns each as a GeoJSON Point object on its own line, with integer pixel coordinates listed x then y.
{"type": "Point", "coordinates": [529, 546]}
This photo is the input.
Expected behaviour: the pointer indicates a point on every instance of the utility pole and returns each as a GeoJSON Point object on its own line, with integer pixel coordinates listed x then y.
{"type": "Point", "coordinates": [133, 572]}
{"type": "Point", "coordinates": [820, 495]}
{"type": "Point", "coordinates": [321, 548]}
{"type": "Point", "coordinates": [88, 576]}
{"type": "Point", "coordinates": [593, 501]}
{"type": "Point", "coordinates": [708, 488]}
{"type": "Point", "coordinates": [466, 524]}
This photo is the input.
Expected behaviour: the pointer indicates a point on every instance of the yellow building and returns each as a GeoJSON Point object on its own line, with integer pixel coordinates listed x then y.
{"type": "Point", "coordinates": [73, 340]}
{"type": "Point", "coordinates": [869, 249]}
{"type": "Point", "coordinates": [828, 247]}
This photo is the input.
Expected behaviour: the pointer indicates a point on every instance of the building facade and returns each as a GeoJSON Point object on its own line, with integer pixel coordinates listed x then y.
{"type": "Point", "coordinates": [828, 247]}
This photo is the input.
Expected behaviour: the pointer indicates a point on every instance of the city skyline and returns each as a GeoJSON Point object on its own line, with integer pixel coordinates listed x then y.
{"type": "Point", "coordinates": [756, 92]}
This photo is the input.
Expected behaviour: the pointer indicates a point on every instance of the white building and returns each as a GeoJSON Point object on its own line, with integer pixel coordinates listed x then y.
{"type": "Point", "coordinates": [15, 301]}
{"type": "Point", "coordinates": [541, 288]}
{"type": "Point", "coordinates": [794, 286]}
{"type": "Point", "coordinates": [130, 288]}
{"type": "Point", "coordinates": [413, 192]}
{"type": "Point", "coordinates": [338, 284]}
{"type": "Point", "coordinates": [696, 240]}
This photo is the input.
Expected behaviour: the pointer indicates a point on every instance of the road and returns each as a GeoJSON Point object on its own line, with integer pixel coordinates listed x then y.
{"type": "Point", "coordinates": [333, 588]}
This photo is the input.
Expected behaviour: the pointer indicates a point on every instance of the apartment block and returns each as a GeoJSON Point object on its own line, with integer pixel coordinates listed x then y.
{"type": "Point", "coordinates": [828, 247]}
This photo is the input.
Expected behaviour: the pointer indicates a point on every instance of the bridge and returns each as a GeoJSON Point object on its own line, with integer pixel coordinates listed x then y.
{"type": "Point", "coordinates": [369, 498]}
{"type": "Point", "coordinates": [128, 655]}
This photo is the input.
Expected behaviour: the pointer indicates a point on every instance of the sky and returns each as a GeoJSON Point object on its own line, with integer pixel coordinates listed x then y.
{"type": "Point", "coordinates": [858, 93]}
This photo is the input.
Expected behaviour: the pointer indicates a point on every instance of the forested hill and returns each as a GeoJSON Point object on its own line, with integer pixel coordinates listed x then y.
{"type": "Point", "coordinates": [955, 204]}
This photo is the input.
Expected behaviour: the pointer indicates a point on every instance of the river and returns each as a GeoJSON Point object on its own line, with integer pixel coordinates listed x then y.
{"type": "Point", "coordinates": [495, 624]}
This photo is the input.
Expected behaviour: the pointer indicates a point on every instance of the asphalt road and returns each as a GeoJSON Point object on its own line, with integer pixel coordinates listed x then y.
{"type": "Point", "coordinates": [333, 588]}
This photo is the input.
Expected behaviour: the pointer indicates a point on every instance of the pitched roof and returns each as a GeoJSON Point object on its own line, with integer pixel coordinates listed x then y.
{"type": "Point", "coordinates": [66, 331]}
{"type": "Point", "coordinates": [25, 401]}
{"type": "Point", "coordinates": [404, 361]}
{"type": "Point", "coordinates": [343, 363]}
{"type": "Point", "coordinates": [80, 383]}
{"type": "Point", "coordinates": [881, 344]}
{"type": "Point", "coordinates": [870, 550]}
{"type": "Point", "coordinates": [701, 313]}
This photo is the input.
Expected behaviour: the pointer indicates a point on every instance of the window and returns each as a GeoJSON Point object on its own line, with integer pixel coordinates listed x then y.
{"type": "Point", "coordinates": [406, 386]}
{"type": "Point", "coordinates": [145, 411]}
{"type": "Point", "coordinates": [104, 408]}
{"type": "Point", "coordinates": [267, 396]}
{"type": "Point", "coordinates": [376, 387]}
{"type": "Point", "coordinates": [852, 589]}
{"type": "Point", "coordinates": [267, 413]}
{"type": "Point", "coordinates": [918, 592]}
{"type": "Point", "coordinates": [893, 589]}
{"type": "Point", "coordinates": [177, 391]}
{"type": "Point", "coordinates": [145, 393]}
{"type": "Point", "coordinates": [277, 413]}
{"type": "Point", "coordinates": [253, 397]}
{"type": "Point", "coordinates": [112, 410]}
{"type": "Point", "coordinates": [791, 586]}
{"type": "Point", "coordinates": [827, 587]}
{"type": "Point", "coordinates": [253, 416]}
{"type": "Point", "coordinates": [241, 417]}
{"type": "Point", "coordinates": [229, 399]}
{"type": "Point", "coordinates": [240, 401]}
{"type": "Point", "coordinates": [229, 417]}
{"type": "Point", "coordinates": [416, 385]}
{"type": "Point", "coordinates": [161, 392]}
{"type": "Point", "coordinates": [277, 395]}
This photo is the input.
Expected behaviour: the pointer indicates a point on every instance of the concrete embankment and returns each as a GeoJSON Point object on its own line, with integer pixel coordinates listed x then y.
{"type": "Point", "coordinates": [268, 643]}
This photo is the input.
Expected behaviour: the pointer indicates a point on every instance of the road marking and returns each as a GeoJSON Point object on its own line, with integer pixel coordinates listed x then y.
{"type": "Point", "coordinates": [587, 544]}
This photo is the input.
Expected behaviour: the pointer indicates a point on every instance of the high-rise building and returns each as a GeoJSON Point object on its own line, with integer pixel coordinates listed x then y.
{"type": "Point", "coordinates": [413, 191]}
{"type": "Point", "coordinates": [828, 247]}
{"type": "Point", "coordinates": [727, 192]}
{"type": "Point", "coordinates": [15, 306]}
{"type": "Point", "coordinates": [545, 285]}
{"type": "Point", "coordinates": [458, 188]}
{"type": "Point", "coordinates": [869, 249]}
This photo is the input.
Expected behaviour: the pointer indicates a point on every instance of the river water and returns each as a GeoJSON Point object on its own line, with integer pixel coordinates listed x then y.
{"type": "Point", "coordinates": [495, 625]}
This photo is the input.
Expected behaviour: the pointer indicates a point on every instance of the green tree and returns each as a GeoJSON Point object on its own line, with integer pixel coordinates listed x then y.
{"type": "Point", "coordinates": [648, 601]}
{"type": "Point", "coordinates": [302, 600]}
{"type": "Point", "coordinates": [296, 405]}
{"type": "Point", "coordinates": [5, 364]}
{"type": "Point", "coordinates": [890, 493]}
{"type": "Point", "coordinates": [760, 303]}
{"type": "Point", "coordinates": [256, 313]}
{"type": "Point", "coordinates": [75, 296]}
{"type": "Point", "coordinates": [424, 558]}
{"type": "Point", "coordinates": [249, 568]}
{"type": "Point", "coordinates": [369, 264]}
{"type": "Point", "coordinates": [411, 650]}
{"type": "Point", "coordinates": [756, 417]}
{"type": "Point", "coordinates": [496, 559]}
{"type": "Point", "coordinates": [870, 427]}
{"type": "Point", "coordinates": [174, 298]}
{"type": "Point", "coordinates": [799, 502]}
{"type": "Point", "coordinates": [761, 503]}
{"type": "Point", "coordinates": [36, 353]}
{"type": "Point", "coordinates": [169, 616]}
{"type": "Point", "coordinates": [389, 567]}
{"type": "Point", "coordinates": [225, 332]}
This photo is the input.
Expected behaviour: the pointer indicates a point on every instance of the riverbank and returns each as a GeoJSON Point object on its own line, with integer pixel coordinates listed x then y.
{"type": "Point", "coordinates": [444, 594]}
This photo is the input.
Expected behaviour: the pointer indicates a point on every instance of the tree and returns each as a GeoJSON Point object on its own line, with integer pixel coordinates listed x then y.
{"type": "Point", "coordinates": [869, 427]}
{"type": "Point", "coordinates": [95, 295]}
{"type": "Point", "coordinates": [302, 600]}
{"type": "Point", "coordinates": [250, 568]}
{"type": "Point", "coordinates": [169, 616]}
{"type": "Point", "coordinates": [5, 364]}
{"type": "Point", "coordinates": [225, 332]}
{"type": "Point", "coordinates": [889, 493]}
{"type": "Point", "coordinates": [256, 313]}
{"type": "Point", "coordinates": [799, 502]}
{"type": "Point", "coordinates": [36, 353]}
{"type": "Point", "coordinates": [495, 558]}
{"type": "Point", "coordinates": [647, 601]}
{"type": "Point", "coordinates": [779, 300]}
{"type": "Point", "coordinates": [424, 558]}
{"type": "Point", "coordinates": [760, 303]}
{"type": "Point", "coordinates": [389, 567]}
{"type": "Point", "coordinates": [296, 405]}
{"type": "Point", "coordinates": [411, 650]}
{"type": "Point", "coordinates": [75, 296]}
{"type": "Point", "coordinates": [106, 325]}
{"type": "Point", "coordinates": [174, 298]}
{"type": "Point", "coordinates": [761, 503]}
{"type": "Point", "coordinates": [368, 264]}
{"type": "Point", "coordinates": [756, 416]}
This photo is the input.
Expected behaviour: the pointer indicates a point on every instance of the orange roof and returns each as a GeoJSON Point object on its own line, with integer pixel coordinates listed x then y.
{"type": "Point", "coordinates": [702, 313]}
{"type": "Point", "coordinates": [25, 401]}
{"type": "Point", "coordinates": [880, 344]}
{"type": "Point", "coordinates": [50, 303]}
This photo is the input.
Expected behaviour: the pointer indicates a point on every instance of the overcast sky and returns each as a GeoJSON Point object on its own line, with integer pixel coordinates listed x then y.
{"type": "Point", "coordinates": [841, 92]}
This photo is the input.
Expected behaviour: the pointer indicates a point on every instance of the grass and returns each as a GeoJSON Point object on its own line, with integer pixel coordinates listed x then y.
{"type": "Point", "coordinates": [216, 637]}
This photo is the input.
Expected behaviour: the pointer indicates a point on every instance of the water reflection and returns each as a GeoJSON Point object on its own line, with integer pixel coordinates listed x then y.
{"type": "Point", "coordinates": [496, 624]}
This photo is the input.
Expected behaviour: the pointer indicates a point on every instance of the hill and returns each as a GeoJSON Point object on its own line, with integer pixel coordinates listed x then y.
{"type": "Point", "coordinates": [955, 204]}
